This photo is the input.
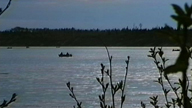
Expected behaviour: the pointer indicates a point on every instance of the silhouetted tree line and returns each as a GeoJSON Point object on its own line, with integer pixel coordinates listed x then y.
{"type": "Point", "coordinates": [20, 36]}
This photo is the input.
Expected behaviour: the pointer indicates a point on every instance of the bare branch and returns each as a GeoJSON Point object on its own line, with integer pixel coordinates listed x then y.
{"type": "Point", "coordinates": [2, 11]}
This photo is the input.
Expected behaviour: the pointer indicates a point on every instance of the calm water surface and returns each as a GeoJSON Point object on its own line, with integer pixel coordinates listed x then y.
{"type": "Point", "coordinates": [39, 76]}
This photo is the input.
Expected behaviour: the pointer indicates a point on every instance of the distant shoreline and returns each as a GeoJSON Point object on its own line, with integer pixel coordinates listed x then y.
{"type": "Point", "coordinates": [90, 38]}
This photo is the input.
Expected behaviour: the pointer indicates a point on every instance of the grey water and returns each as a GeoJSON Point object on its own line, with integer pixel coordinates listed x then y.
{"type": "Point", "coordinates": [39, 76]}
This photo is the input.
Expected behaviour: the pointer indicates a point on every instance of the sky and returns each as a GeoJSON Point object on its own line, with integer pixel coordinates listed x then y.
{"type": "Point", "coordinates": [88, 14]}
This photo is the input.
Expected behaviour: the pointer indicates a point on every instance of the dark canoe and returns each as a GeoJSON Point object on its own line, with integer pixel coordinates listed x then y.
{"type": "Point", "coordinates": [176, 50]}
{"type": "Point", "coordinates": [65, 55]}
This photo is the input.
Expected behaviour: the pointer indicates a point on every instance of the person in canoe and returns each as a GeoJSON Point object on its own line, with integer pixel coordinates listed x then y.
{"type": "Point", "coordinates": [65, 55]}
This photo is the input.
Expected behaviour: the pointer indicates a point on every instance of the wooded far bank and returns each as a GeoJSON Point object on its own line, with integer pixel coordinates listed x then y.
{"type": "Point", "coordinates": [160, 36]}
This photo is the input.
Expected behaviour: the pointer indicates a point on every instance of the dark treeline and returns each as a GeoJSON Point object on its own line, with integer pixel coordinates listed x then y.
{"type": "Point", "coordinates": [19, 36]}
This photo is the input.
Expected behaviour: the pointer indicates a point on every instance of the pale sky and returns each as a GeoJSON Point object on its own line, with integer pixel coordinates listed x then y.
{"type": "Point", "coordinates": [88, 14]}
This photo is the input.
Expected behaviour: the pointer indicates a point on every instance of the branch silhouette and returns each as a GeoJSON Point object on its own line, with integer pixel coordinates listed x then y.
{"type": "Point", "coordinates": [5, 103]}
{"type": "Point", "coordinates": [2, 11]}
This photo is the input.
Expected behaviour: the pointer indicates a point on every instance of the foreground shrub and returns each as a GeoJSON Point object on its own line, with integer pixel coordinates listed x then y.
{"type": "Point", "coordinates": [106, 82]}
{"type": "Point", "coordinates": [183, 98]}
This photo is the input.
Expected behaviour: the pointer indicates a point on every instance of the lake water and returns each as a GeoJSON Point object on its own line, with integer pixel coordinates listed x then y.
{"type": "Point", "coordinates": [39, 76]}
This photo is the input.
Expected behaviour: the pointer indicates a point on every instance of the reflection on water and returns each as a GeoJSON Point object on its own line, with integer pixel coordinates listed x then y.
{"type": "Point", "coordinates": [39, 76]}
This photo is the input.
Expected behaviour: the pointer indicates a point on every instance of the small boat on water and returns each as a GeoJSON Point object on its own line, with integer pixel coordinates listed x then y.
{"type": "Point", "coordinates": [176, 50]}
{"type": "Point", "coordinates": [9, 47]}
{"type": "Point", "coordinates": [65, 55]}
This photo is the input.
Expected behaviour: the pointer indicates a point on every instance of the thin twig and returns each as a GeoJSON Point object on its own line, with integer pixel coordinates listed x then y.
{"type": "Point", "coordinates": [125, 79]}
{"type": "Point", "coordinates": [8, 4]}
